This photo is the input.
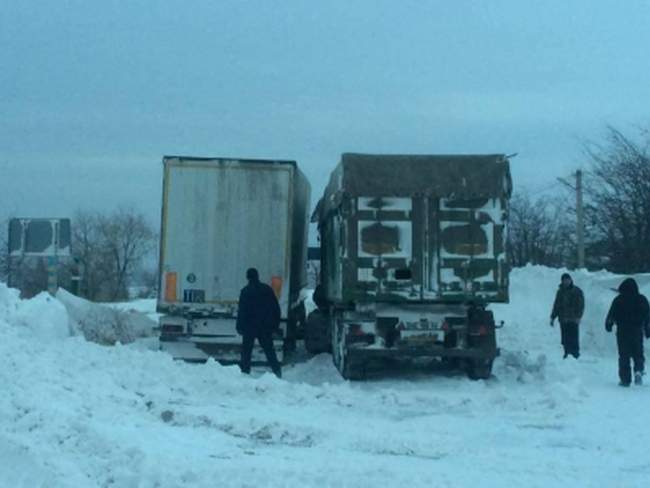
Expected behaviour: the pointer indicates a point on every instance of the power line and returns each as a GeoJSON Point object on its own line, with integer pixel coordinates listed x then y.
{"type": "Point", "coordinates": [544, 189]}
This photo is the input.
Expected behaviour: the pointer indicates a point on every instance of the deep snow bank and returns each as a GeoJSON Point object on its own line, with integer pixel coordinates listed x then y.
{"type": "Point", "coordinates": [42, 317]}
{"type": "Point", "coordinates": [104, 324]}
{"type": "Point", "coordinates": [73, 413]}
{"type": "Point", "coordinates": [532, 291]}
{"type": "Point", "coordinates": [530, 347]}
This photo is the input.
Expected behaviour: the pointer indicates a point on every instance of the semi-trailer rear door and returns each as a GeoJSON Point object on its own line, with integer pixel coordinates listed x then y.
{"type": "Point", "coordinates": [467, 249]}
{"type": "Point", "coordinates": [221, 217]}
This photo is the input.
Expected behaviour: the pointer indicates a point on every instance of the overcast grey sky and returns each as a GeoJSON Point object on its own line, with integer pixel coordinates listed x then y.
{"type": "Point", "coordinates": [93, 93]}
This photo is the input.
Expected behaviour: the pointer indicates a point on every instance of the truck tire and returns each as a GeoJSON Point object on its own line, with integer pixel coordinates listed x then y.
{"type": "Point", "coordinates": [338, 349]}
{"type": "Point", "coordinates": [317, 333]}
{"type": "Point", "coordinates": [479, 369]}
{"type": "Point", "coordinates": [299, 315]}
{"type": "Point", "coordinates": [350, 370]}
{"type": "Point", "coordinates": [354, 371]}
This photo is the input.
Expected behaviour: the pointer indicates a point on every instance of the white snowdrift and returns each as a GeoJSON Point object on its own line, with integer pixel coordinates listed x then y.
{"type": "Point", "coordinates": [42, 316]}
{"type": "Point", "coordinates": [76, 414]}
{"type": "Point", "coordinates": [532, 292]}
{"type": "Point", "coordinates": [104, 324]}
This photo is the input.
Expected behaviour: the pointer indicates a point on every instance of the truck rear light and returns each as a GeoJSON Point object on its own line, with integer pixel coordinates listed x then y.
{"type": "Point", "coordinates": [480, 330]}
{"type": "Point", "coordinates": [171, 329]}
{"type": "Point", "coordinates": [171, 279]}
{"type": "Point", "coordinates": [276, 285]}
{"type": "Point", "coordinates": [356, 330]}
{"type": "Point", "coordinates": [356, 335]}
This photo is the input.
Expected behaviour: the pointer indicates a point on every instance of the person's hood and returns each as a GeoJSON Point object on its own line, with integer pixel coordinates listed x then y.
{"type": "Point", "coordinates": [566, 275]}
{"type": "Point", "coordinates": [628, 287]}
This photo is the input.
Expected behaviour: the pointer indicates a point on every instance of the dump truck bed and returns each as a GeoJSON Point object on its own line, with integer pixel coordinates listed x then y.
{"type": "Point", "coordinates": [415, 228]}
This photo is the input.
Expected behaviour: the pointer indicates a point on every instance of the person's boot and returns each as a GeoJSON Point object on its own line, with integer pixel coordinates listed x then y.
{"type": "Point", "coordinates": [638, 378]}
{"type": "Point", "coordinates": [277, 371]}
{"type": "Point", "coordinates": [625, 374]}
{"type": "Point", "coordinates": [622, 383]}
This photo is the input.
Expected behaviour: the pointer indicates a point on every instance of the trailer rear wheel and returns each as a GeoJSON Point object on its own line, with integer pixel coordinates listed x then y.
{"type": "Point", "coordinates": [479, 369]}
{"type": "Point", "coordinates": [349, 368]}
{"type": "Point", "coordinates": [299, 317]}
{"type": "Point", "coordinates": [317, 335]}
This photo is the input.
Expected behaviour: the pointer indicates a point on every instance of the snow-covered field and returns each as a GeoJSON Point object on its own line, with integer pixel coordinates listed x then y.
{"type": "Point", "coordinates": [77, 414]}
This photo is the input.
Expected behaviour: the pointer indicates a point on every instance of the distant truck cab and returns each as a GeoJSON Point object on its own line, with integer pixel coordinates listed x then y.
{"type": "Point", "coordinates": [412, 252]}
{"type": "Point", "coordinates": [39, 257]}
{"type": "Point", "coordinates": [221, 216]}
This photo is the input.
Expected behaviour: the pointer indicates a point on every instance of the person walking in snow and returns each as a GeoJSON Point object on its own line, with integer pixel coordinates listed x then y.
{"type": "Point", "coordinates": [631, 315]}
{"type": "Point", "coordinates": [258, 317]}
{"type": "Point", "coordinates": [569, 305]}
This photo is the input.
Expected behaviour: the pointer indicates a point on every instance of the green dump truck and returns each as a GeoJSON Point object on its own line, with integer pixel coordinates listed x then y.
{"type": "Point", "coordinates": [412, 253]}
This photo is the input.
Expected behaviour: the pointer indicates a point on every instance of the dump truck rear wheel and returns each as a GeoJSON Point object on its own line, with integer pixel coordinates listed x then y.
{"type": "Point", "coordinates": [350, 370]}
{"type": "Point", "coordinates": [479, 369]}
{"type": "Point", "coordinates": [354, 371]}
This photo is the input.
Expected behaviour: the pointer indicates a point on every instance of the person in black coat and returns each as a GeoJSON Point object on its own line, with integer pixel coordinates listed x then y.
{"type": "Point", "coordinates": [631, 315]}
{"type": "Point", "coordinates": [258, 317]}
{"type": "Point", "coordinates": [569, 305]}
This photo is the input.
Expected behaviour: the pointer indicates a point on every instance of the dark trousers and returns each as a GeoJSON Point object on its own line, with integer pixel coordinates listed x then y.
{"type": "Point", "coordinates": [630, 346]}
{"type": "Point", "coordinates": [266, 342]}
{"type": "Point", "coordinates": [570, 338]}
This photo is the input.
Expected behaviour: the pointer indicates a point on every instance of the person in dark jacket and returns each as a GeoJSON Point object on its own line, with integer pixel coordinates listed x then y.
{"type": "Point", "coordinates": [631, 315]}
{"type": "Point", "coordinates": [258, 317]}
{"type": "Point", "coordinates": [569, 306]}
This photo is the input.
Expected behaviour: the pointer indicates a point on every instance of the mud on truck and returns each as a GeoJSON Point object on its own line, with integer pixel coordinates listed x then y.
{"type": "Point", "coordinates": [412, 254]}
{"type": "Point", "coordinates": [221, 216]}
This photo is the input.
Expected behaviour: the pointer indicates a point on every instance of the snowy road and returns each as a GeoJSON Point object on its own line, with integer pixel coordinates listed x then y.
{"type": "Point", "coordinates": [77, 414]}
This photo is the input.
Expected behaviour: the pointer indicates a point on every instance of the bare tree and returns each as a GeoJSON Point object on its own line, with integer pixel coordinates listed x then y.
{"type": "Point", "coordinates": [618, 210]}
{"type": "Point", "coordinates": [110, 249]}
{"type": "Point", "coordinates": [127, 238]}
{"type": "Point", "coordinates": [540, 231]}
{"type": "Point", "coordinates": [4, 249]}
{"type": "Point", "coordinates": [147, 279]}
{"type": "Point", "coordinates": [87, 249]}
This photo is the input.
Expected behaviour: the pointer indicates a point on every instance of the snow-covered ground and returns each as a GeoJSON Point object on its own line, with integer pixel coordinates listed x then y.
{"type": "Point", "coordinates": [77, 414]}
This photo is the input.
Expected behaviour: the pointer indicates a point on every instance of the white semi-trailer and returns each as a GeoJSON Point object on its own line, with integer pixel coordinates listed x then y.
{"type": "Point", "coordinates": [221, 216]}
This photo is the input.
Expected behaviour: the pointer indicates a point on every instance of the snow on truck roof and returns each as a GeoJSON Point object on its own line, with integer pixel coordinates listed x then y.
{"type": "Point", "coordinates": [219, 160]}
{"type": "Point", "coordinates": [459, 176]}
{"type": "Point", "coordinates": [467, 176]}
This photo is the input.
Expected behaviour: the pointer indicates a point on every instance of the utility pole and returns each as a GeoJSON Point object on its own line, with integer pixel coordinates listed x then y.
{"type": "Point", "coordinates": [580, 226]}
{"type": "Point", "coordinates": [580, 221]}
